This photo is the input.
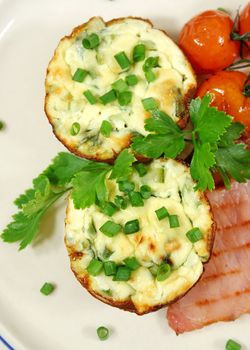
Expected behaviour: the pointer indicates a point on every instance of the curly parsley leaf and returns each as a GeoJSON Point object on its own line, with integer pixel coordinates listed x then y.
{"type": "Point", "coordinates": [26, 222]}
{"type": "Point", "coordinates": [47, 188]}
{"type": "Point", "coordinates": [209, 123]}
{"type": "Point", "coordinates": [122, 168]}
{"type": "Point", "coordinates": [89, 186]}
{"type": "Point", "coordinates": [167, 139]}
{"type": "Point", "coordinates": [203, 160]}
{"type": "Point", "coordinates": [233, 159]}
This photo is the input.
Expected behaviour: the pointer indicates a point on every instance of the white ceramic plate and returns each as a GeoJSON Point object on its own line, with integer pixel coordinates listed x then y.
{"type": "Point", "coordinates": [68, 318]}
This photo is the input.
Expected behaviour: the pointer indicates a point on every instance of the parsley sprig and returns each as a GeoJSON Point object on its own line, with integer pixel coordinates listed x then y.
{"type": "Point", "coordinates": [215, 141]}
{"type": "Point", "coordinates": [86, 180]}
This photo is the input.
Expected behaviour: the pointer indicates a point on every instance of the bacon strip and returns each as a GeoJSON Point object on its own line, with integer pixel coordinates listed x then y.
{"type": "Point", "coordinates": [223, 292]}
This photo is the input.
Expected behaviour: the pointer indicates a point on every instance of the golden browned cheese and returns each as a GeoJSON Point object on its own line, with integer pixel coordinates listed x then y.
{"type": "Point", "coordinates": [154, 244]}
{"type": "Point", "coordinates": [65, 103]}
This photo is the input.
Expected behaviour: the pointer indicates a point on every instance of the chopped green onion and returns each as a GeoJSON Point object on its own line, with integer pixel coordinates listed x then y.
{"type": "Point", "coordinates": [194, 235]}
{"type": "Point", "coordinates": [1, 125]}
{"type": "Point", "coordinates": [153, 269]}
{"type": "Point", "coordinates": [123, 273]}
{"type": "Point", "coordinates": [120, 202]}
{"type": "Point", "coordinates": [110, 268]}
{"type": "Point", "coordinates": [124, 98]}
{"type": "Point", "coordinates": [132, 263]}
{"type": "Point", "coordinates": [106, 253]}
{"type": "Point", "coordinates": [145, 191]}
{"type": "Point", "coordinates": [131, 79]}
{"type": "Point", "coordinates": [110, 96]}
{"type": "Point", "coordinates": [47, 288]}
{"type": "Point", "coordinates": [110, 228]}
{"type": "Point", "coordinates": [91, 41]}
{"type": "Point", "coordinates": [151, 62]}
{"type": "Point", "coordinates": [79, 75]}
{"type": "Point", "coordinates": [108, 208]}
{"type": "Point", "coordinates": [131, 226]}
{"type": "Point", "coordinates": [173, 221]}
{"type": "Point", "coordinates": [126, 186]}
{"type": "Point", "coordinates": [106, 128]}
{"type": "Point", "coordinates": [149, 103]}
{"type": "Point", "coordinates": [163, 272]}
{"type": "Point", "coordinates": [232, 345]}
{"type": "Point", "coordinates": [102, 332]}
{"type": "Point", "coordinates": [141, 169]}
{"type": "Point", "coordinates": [120, 85]}
{"type": "Point", "coordinates": [135, 199]}
{"type": "Point", "coordinates": [122, 60]}
{"type": "Point", "coordinates": [75, 128]}
{"type": "Point", "coordinates": [95, 267]}
{"type": "Point", "coordinates": [90, 97]}
{"type": "Point", "coordinates": [139, 52]}
{"type": "Point", "coordinates": [150, 76]}
{"type": "Point", "coordinates": [161, 213]}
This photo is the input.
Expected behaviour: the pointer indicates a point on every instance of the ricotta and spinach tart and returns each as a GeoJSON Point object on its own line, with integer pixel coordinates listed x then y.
{"type": "Point", "coordinates": [105, 77]}
{"type": "Point", "coordinates": [145, 247]}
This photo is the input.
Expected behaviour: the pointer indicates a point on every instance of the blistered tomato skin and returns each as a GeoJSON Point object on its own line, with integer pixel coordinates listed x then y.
{"type": "Point", "coordinates": [226, 90]}
{"type": "Point", "coordinates": [245, 21]}
{"type": "Point", "coordinates": [206, 41]}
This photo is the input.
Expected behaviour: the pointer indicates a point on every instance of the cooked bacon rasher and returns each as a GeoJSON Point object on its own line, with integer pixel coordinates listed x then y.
{"type": "Point", "coordinates": [223, 293]}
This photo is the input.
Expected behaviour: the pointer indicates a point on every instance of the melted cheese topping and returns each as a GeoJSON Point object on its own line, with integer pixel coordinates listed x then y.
{"type": "Point", "coordinates": [66, 104]}
{"type": "Point", "coordinates": [172, 187]}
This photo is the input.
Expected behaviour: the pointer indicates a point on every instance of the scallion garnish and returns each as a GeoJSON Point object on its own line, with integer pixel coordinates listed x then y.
{"type": "Point", "coordinates": [79, 75]}
{"type": "Point", "coordinates": [150, 76]}
{"type": "Point", "coordinates": [132, 263]}
{"type": "Point", "coordinates": [124, 98]}
{"type": "Point", "coordinates": [122, 60]}
{"type": "Point", "coordinates": [232, 345]}
{"type": "Point", "coordinates": [110, 96]}
{"type": "Point", "coordinates": [120, 85]}
{"type": "Point", "coordinates": [126, 186]}
{"type": "Point", "coordinates": [110, 228]}
{"type": "Point", "coordinates": [123, 273]}
{"type": "Point", "coordinates": [106, 128]}
{"type": "Point", "coordinates": [145, 191]}
{"type": "Point", "coordinates": [91, 41]}
{"type": "Point", "coordinates": [131, 226]}
{"type": "Point", "coordinates": [194, 235]}
{"type": "Point", "coordinates": [75, 128]}
{"type": "Point", "coordinates": [135, 199]}
{"type": "Point", "coordinates": [102, 332]}
{"type": "Point", "coordinates": [163, 272]}
{"type": "Point", "coordinates": [110, 268]}
{"type": "Point", "coordinates": [1, 125]}
{"type": "Point", "coordinates": [139, 52]}
{"type": "Point", "coordinates": [151, 62]}
{"type": "Point", "coordinates": [131, 80]}
{"type": "Point", "coordinates": [120, 202]}
{"type": "Point", "coordinates": [108, 208]}
{"type": "Point", "coordinates": [90, 97]}
{"type": "Point", "coordinates": [149, 103]}
{"type": "Point", "coordinates": [173, 221]}
{"type": "Point", "coordinates": [161, 213]}
{"type": "Point", "coordinates": [47, 288]}
{"type": "Point", "coordinates": [141, 169]}
{"type": "Point", "coordinates": [95, 267]}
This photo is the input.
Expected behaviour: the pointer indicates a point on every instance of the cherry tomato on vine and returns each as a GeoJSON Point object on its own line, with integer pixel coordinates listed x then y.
{"type": "Point", "coordinates": [206, 41]}
{"type": "Point", "coordinates": [226, 90]}
{"type": "Point", "coordinates": [245, 22]}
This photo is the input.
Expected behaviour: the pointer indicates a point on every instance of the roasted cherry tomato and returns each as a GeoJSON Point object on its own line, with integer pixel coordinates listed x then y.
{"type": "Point", "coordinates": [245, 22]}
{"type": "Point", "coordinates": [226, 90]}
{"type": "Point", "coordinates": [206, 41]}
